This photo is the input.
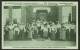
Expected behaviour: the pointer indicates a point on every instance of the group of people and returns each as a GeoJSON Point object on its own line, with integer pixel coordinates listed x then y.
{"type": "Point", "coordinates": [40, 30]}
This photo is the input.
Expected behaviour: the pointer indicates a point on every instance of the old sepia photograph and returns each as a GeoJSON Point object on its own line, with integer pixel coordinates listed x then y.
{"type": "Point", "coordinates": [39, 25]}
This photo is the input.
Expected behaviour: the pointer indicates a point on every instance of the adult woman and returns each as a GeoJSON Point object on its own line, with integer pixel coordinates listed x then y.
{"type": "Point", "coordinates": [63, 33]}
{"type": "Point", "coordinates": [45, 31]}
{"type": "Point", "coordinates": [11, 33]}
{"type": "Point", "coordinates": [16, 32]}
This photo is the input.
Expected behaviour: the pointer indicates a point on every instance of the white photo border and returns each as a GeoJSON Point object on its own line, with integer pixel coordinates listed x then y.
{"type": "Point", "coordinates": [75, 3]}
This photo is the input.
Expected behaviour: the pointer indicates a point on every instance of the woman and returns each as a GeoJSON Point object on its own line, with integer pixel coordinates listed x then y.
{"type": "Point", "coordinates": [16, 33]}
{"type": "Point", "coordinates": [6, 32]}
{"type": "Point", "coordinates": [63, 33]}
{"type": "Point", "coordinates": [52, 33]}
{"type": "Point", "coordinates": [30, 36]}
{"type": "Point", "coordinates": [11, 33]}
{"type": "Point", "coordinates": [45, 31]}
{"type": "Point", "coordinates": [58, 32]}
{"type": "Point", "coordinates": [35, 35]}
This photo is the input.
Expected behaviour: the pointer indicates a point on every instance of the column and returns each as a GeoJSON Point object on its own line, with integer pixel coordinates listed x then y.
{"type": "Point", "coordinates": [10, 14]}
{"type": "Point", "coordinates": [23, 15]}
{"type": "Point", "coordinates": [29, 13]}
{"type": "Point", "coordinates": [74, 14]}
{"type": "Point", "coordinates": [60, 14]}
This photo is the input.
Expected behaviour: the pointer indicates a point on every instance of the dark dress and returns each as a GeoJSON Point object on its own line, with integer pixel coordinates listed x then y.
{"type": "Point", "coordinates": [6, 35]}
{"type": "Point", "coordinates": [53, 37]}
{"type": "Point", "coordinates": [50, 34]}
{"type": "Point", "coordinates": [22, 35]}
{"type": "Point", "coordinates": [16, 35]}
{"type": "Point", "coordinates": [40, 32]}
{"type": "Point", "coordinates": [26, 34]}
{"type": "Point", "coordinates": [58, 34]}
{"type": "Point", "coordinates": [72, 35]}
{"type": "Point", "coordinates": [35, 35]}
{"type": "Point", "coordinates": [67, 34]}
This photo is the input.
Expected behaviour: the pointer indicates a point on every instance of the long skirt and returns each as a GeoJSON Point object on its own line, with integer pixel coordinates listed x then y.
{"type": "Point", "coordinates": [30, 36]}
{"type": "Point", "coordinates": [35, 35]}
{"type": "Point", "coordinates": [67, 34]}
{"type": "Point", "coordinates": [57, 34]}
{"type": "Point", "coordinates": [21, 35]}
{"type": "Point", "coordinates": [11, 35]}
{"type": "Point", "coordinates": [63, 35]}
{"type": "Point", "coordinates": [40, 33]}
{"type": "Point", "coordinates": [25, 35]}
{"type": "Point", "coordinates": [72, 35]}
{"type": "Point", "coordinates": [45, 34]}
{"type": "Point", "coordinates": [16, 36]}
{"type": "Point", "coordinates": [6, 35]}
{"type": "Point", "coordinates": [52, 35]}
